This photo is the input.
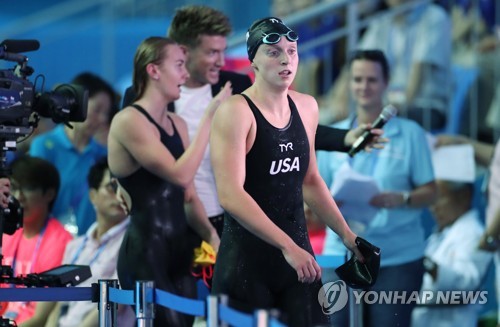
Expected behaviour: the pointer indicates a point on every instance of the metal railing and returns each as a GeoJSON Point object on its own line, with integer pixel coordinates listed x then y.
{"type": "Point", "coordinates": [216, 310]}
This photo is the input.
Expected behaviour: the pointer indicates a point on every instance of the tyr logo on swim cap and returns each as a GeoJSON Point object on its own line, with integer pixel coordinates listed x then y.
{"type": "Point", "coordinates": [268, 30]}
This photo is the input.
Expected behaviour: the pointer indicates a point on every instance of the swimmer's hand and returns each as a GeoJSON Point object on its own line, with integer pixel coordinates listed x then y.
{"type": "Point", "coordinates": [303, 262]}
{"type": "Point", "coordinates": [223, 94]}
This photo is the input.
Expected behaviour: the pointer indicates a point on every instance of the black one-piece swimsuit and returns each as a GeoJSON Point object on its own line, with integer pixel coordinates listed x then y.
{"type": "Point", "coordinates": [158, 244]}
{"type": "Point", "coordinates": [253, 273]}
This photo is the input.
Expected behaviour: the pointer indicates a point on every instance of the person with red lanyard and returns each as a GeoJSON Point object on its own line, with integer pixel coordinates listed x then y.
{"type": "Point", "coordinates": [40, 244]}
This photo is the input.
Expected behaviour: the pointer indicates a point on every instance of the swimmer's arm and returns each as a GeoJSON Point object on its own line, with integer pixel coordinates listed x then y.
{"type": "Point", "coordinates": [316, 194]}
{"type": "Point", "coordinates": [197, 218]}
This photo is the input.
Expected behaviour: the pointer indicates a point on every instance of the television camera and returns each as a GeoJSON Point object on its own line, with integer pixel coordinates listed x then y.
{"type": "Point", "coordinates": [21, 107]}
{"type": "Point", "coordinates": [20, 104]}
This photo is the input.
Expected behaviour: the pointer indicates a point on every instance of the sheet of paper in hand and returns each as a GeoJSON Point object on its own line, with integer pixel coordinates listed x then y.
{"type": "Point", "coordinates": [354, 191]}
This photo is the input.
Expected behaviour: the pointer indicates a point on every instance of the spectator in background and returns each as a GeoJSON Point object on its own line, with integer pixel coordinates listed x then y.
{"type": "Point", "coordinates": [39, 245]}
{"type": "Point", "coordinates": [417, 44]}
{"type": "Point", "coordinates": [452, 259]}
{"type": "Point", "coordinates": [95, 84]}
{"type": "Point", "coordinates": [74, 150]}
{"type": "Point", "coordinates": [314, 62]}
{"type": "Point", "coordinates": [476, 47]}
{"type": "Point", "coordinates": [98, 248]}
{"type": "Point", "coordinates": [486, 155]}
{"type": "Point", "coordinates": [404, 175]}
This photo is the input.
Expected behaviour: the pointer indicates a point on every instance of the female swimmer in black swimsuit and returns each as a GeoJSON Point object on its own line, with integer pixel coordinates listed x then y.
{"type": "Point", "coordinates": [262, 148]}
{"type": "Point", "coordinates": [150, 155]}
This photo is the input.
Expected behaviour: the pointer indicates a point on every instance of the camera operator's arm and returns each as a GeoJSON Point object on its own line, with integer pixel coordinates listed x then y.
{"type": "Point", "coordinates": [4, 192]}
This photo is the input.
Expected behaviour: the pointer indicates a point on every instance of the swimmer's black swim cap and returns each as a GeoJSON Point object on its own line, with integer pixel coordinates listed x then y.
{"type": "Point", "coordinates": [268, 30]}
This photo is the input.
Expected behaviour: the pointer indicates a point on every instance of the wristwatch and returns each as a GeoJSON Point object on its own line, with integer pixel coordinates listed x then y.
{"type": "Point", "coordinates": [429, 265]}
{"type": "Point", "coordinates": [491, 242]}
{"type": "Point", "coordinates": [406, 198]}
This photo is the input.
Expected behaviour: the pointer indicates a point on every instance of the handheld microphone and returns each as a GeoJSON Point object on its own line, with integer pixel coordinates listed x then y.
{"type": "Point", "coordinates": [17, 46]}
{"type": "Point", "coordinates": [387, 113]}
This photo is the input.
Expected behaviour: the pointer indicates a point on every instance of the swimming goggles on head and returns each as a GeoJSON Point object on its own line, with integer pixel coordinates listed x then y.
{"type": "Point", "coordinates": [273, 38]}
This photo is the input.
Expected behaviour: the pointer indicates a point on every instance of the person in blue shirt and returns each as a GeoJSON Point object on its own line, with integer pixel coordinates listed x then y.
{"type": "Point", "coordinates": [74, 150]}
{"type": "Point", "coordinates": [404, 175]}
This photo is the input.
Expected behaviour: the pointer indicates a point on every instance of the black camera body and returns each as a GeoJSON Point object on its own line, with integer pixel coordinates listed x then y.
{"type": "Point", "coordinates": [19, 99]}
